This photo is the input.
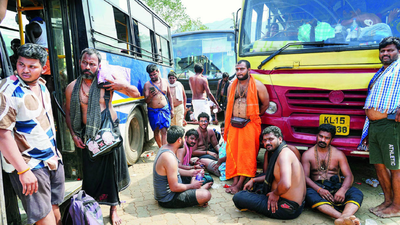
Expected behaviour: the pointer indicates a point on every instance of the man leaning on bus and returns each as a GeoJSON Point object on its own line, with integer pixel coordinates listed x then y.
{"type": "Point", "coordinates": [27, 137]}
{"type": "Point", "coordinates": [381, 133]}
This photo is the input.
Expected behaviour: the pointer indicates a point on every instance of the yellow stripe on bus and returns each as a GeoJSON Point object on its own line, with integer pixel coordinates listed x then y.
{"type": "Point", "coordinates": [330, 81]}
{"type": "Point", "coordinates": [125, 100]}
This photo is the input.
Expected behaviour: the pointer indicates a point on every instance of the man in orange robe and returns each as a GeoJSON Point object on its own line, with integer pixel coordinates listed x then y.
{"type": "Point", "coordinates": [247, 100]}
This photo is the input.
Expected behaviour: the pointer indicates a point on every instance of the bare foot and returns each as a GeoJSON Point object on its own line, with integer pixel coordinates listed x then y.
{"type": "Point", "coordinates": [391, 211]}
{"type": "Point", "coordinates": [204, 205]}
{"type": "Point", "coordinates": [229, 189]}
{"type": "Point", "coordinates": [235, 190]}
{"type": "Point", "coordinates": [380, 207]}
{"type": "Point", "coordinates": [115, 220]}
{"type": "Point", "coordinates": [207, 185]}
{"type": "Point", "coordinates": [347, 220]}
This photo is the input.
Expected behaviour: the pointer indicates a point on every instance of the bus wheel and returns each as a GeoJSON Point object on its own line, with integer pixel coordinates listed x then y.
{"type": "Point", "coordinates": [134, 137]}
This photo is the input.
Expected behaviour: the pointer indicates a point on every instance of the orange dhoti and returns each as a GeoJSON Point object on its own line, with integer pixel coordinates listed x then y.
{"type": "Point", "coordinates": [243, 143]}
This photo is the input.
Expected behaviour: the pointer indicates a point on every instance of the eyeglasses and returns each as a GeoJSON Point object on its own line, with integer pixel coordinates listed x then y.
{"type": "Point", "coordinates": [203, 121]}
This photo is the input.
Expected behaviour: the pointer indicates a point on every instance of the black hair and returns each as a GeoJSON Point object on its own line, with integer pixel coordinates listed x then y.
{"type": "Point", "coordinates": [198, 68]}
{"type": "Point", "coordinates": [328, 128]}
{"type": "Point", "coordinates": [174, 133]}
{"type": "Point", "coordinates": [192, 132]}
{"type": "Point", "coordinates": [15, 40]}
{"type": "Point", "coordinates": [203, 115]}
{"type": "Point", "coordinates": [171, 73]}
{"type": "Point", "coordinates": [273, 129]}
{"type": "Point", "coordinates": [388, 41]}
{"type": "Point", "coordinates": [222, 125]}
{"type": "Point", "coordinates": [151, 68]}
{"type": "Point", "coordinates": [225, 74]}
{"type": "Point", "coordinates": [91, 51]}
{"type": "Point", "coordinates": [33, 51]}
{"type": "Point", "coordinates": [246, 62]}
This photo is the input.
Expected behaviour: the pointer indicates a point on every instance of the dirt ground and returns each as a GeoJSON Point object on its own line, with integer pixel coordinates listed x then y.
{"type": "Point", "coordinates": [139, 206]}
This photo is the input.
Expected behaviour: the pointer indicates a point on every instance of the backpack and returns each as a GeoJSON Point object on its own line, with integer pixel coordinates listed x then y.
{"type": "Point", "coordinates": [85, 210]}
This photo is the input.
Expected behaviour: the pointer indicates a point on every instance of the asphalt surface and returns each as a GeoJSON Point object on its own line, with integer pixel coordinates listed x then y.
{"type": "Point", "coordinates": [139, 206]}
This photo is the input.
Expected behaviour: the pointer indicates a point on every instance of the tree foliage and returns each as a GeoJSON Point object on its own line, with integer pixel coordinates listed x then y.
{"type": "Point", "coordinates": [173, 12]}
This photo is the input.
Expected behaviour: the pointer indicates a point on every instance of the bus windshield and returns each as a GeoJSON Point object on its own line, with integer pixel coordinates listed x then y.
{"type": "Point", "coordinates": [215, 50]}
{"type": "Point", "coordinates": [269, 25]}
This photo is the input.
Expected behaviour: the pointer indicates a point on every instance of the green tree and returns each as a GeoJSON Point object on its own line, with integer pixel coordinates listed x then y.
{"type": "Point", "coordinates": [173, 12]}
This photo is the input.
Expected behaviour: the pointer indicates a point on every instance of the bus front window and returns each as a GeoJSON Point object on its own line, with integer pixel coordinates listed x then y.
{"type": "Point", "coordinates": [269, 25]}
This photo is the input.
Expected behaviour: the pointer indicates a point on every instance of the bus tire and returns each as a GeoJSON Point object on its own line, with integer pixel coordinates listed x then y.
{"type": "Point", "coordinates": [134, 136]}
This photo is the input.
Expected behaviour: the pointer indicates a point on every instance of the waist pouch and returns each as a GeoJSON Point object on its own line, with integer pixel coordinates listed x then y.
{"type": "Point", "coordinates": [239, 122]}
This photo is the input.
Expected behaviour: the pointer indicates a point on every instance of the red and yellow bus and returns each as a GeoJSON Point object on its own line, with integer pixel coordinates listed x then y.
{"type": "Point", "coordinates": [316, 59]}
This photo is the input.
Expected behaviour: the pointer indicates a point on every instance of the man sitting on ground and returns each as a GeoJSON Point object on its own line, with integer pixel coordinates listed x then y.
{"type": "Point", "coordinates": [284, 187]}
{"type": "Point", "coordinates": [169, 190]}
{"type": "Point", "coordinates": [218, 167]}
{"type": "Point", "coordinates": [207, 145]}
{"type": "Point", "coordinates": [325, 191]}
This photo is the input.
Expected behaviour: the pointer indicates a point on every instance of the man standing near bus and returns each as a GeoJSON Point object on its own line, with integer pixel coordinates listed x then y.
{"type": "Point", "coordinates": [27, 137]}
{"type": "Point", "coordinates": [106, 175]}
{"type": "Point", "coordinates": [160, 104]}
{"type": "Point", "coordinates": [200, 91]}
{"type": "Point", "coordinates": [179, 97]}
{"type": "Point", "coordinates": [381, 130]}
{"type": "Point", "coordinates": [247, 100]}
{"type": "Point", "coordinates": [222, 92]}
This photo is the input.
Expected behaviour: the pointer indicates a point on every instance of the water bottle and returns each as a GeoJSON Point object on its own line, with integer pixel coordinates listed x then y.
{"type": "Point", "coordinates": [199, 177]}
{"type": "Point", "coordinates": [372, 182]}
{"type": "Point", "coordinates": [354, 30]}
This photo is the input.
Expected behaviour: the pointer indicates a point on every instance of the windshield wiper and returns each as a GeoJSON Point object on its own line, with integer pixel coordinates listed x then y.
{"type": "Point", "coordinates": [315, 43]}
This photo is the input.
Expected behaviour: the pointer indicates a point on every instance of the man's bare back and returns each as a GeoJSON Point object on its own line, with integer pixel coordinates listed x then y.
{"type": "Point", "coordinates": [297, 190]}
{"type": "Point", "coordinates": [198, 85]}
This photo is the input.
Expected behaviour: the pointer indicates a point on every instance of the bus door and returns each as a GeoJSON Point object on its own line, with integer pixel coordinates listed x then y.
{"type": "Point", "coordinates": [64, 57]}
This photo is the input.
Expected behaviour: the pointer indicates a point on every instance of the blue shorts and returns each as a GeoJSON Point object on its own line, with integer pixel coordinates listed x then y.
{"type": "Point", "coordinates": [160, 117]}
{"type": "Point", "coordinates": [353, 195]}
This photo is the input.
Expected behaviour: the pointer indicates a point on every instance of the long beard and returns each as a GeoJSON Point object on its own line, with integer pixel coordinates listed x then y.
{"type": "Point", "coordinates": [90, 76]}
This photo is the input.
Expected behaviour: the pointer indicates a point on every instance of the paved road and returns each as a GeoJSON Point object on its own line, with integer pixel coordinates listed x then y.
{"type": "Point", "coordinates": [141, 208]}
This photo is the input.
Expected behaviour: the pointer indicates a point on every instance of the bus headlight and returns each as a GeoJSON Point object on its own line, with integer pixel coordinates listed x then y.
{"type": "Point", "coordinates": [272, 108]}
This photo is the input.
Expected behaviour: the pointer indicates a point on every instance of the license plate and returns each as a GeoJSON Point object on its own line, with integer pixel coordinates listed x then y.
{"type": "Point", "coordinates": [341, 122]}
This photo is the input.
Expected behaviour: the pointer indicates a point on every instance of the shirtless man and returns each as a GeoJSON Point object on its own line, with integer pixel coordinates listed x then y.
{"type": "Point", "coordinates": [179, 97]}
{"type": "Point", "coordinates": [267, 156]}
{"type": "Point", "coordinates": [200, 91]}
{"type": "Point", "coordinates": [202, 148]}
{"type": "Point", "coordinates": [184, 154]}
{"type": "Point", "coordinates": [85, 106]}
{"type": "Point", "coordinates": [284, 199]}
{"type": "Point", "coordinates": [247, 100]}
{"type": "Point", "coordinates": [169, 190]}
{"type": "Point", "coordinates": [325, 191]}
{"type": "Point", "coordinates": [159, 101]}
{"type": "Point", "coordinates": [381, 133]}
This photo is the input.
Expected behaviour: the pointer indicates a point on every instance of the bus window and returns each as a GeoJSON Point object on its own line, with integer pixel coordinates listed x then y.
{"type": "Point", "coordinates": [121, 4]}
{"type": "Point", "coordinates": [121, 25]}
{"type": "Point", "coordinates": [104, 27]}
{"type": "Point", "coordinates": [145, 42]}
{"type": "Point", "coordinates": [141, 14]}
{"type": "Point", "coordinates": [358, 24]}
{"type": "Point", "coordinates": [165, 51]}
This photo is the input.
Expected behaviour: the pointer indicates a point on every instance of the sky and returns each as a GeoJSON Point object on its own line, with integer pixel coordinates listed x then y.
{"type": "Point", "coordinates": [211, 10]}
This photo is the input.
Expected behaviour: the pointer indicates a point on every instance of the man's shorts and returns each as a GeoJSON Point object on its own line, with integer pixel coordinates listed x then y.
{"type": "Point", "coordinates": [50, 192]}
{"type": "Point", "coordinates": [384, 143]}
{"type": "Point", "coordinates": [182, 200]}
{"type": "Point", "coordinates": [353, 195]}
